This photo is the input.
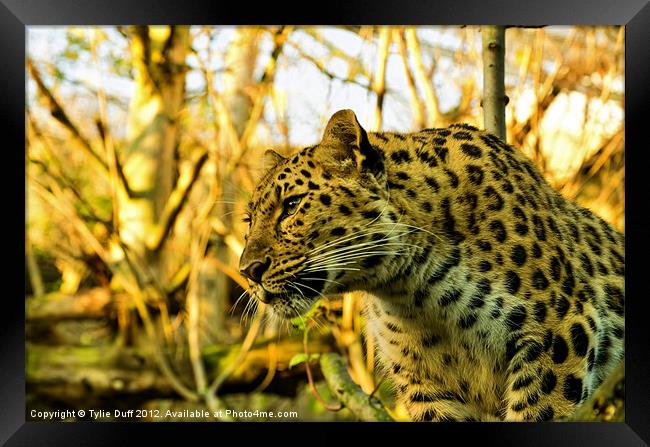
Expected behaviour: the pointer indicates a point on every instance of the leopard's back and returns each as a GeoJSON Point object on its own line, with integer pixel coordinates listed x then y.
{"type": "Point", "coordinates": [517, 296]}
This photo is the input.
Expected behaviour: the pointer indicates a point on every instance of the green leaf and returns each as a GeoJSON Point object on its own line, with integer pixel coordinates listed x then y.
{"type": "Point", "coordinates": [318, 309]}
{"type": "Point", "coordinates": [297, 359]}
{"type": "Point", "coordinates": [298, 323]}
{"type": "Point", "coordinates": [301, 358]}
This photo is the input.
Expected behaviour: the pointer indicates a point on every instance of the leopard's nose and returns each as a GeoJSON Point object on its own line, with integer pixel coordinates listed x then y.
{"type": "Point", "coordinates": [255, 270]}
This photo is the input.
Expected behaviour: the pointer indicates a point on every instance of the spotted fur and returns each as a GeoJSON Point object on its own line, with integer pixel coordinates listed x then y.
{"type": "Point", "coordinates": [489, 295]}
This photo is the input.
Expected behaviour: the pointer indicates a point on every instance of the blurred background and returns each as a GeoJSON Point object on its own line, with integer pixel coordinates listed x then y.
{"type": "Point", "coordinates": [143, 145]}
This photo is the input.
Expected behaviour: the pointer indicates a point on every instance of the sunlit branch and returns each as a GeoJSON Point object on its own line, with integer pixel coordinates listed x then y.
{"type": "Point", "coordinates": [35, 277]}
{"type": "Point", "coordinates": [434, 116]}
{"type": "Point", "coordinates": [60, 177]}
{"type": "Point", "coordinates": [174, 204]}
{"type": "Point", "coordinates": [280, 36]}
{"type": "Point", "coordinates": [321, 67]}
{"type": "Point", "coordinates": [192, 304]}
{"type": "Point", "coordinates": [115, 166]}
{"type": "Point", "coordinates": [211, 392]}
{"type": "Point", "coordinates": [379, 81]}
{"type": "Point", "coordinates": [416, 102]}
{"type": "Point", "coordinates": [335, 52]}
{"type": "Point", "coordinates": [118, 179]}
{"type": "Point", "coordinates": [494, 92]}
{"type": "Point", "coordinates": [59, 114]}
{"type": "Point", "coordinates": [365, 407]}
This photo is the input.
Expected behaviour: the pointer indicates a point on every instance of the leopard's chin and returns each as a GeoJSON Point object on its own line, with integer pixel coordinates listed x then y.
{"type": "Point", "coordinates": [291, 307]}
{"type": "Point", "coordinates": [285, 305]}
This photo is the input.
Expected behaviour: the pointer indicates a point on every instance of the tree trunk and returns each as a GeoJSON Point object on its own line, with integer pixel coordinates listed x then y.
{"type": "Point", "coordinates": [158, 54]}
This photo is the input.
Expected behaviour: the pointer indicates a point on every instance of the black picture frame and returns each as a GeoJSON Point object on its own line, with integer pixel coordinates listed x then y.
{"type": "Point", "coordinates": [16, 15]}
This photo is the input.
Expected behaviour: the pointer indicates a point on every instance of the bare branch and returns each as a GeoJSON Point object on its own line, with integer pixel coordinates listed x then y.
{"type": "Point", "coordinates": [379, 81]}
{"type": "Point", "coordinates": [64, 183]}
{"type": "Point", "coordinates": [416, 102]}
{"type": "Point", "coordinates": [434, 117]}
{"type": "Point", "coordinates": [354, 62]}
{"type": "Point", "coordinates": [115, 166]}
{"type": "Point", "coordinates": [321, 66]}
{"type": "Point", "coordinates": [61, 116]}
{"type": "Point", "coordinates": [134, 290]}
{"type": "Point", "coordinates": [494, 91]}
{"type": "Point", "coordinates": [192, 304]}
{"type": "Point", "coordinates": [174, 204]}
{"type": "Point", "coordinates": [279, 37]}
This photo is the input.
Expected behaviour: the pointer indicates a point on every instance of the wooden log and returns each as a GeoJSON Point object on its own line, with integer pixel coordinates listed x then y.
{"type": "Point", "coordinates": [76, 332]}
{"type": "Point", "coordinates": [73, 373]}
{"type": "Point", "coordinates": [92, 303]}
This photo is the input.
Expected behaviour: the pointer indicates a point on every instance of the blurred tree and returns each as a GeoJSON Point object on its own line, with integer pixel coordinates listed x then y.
{"type": "Point", "coordinates": [150, 169]}
{"type": "Point", "coordinates": [234, 112]}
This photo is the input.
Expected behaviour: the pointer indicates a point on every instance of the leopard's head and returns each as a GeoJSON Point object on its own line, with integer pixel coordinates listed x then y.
{"type": "Point", "coordinates": [320, 221]}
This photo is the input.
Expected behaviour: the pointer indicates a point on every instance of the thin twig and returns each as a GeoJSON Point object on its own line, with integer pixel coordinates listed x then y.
{"type": "Point", "coordinates": [310, 378]}
{"type": "Point", "coordinates": [273, 366]}
{"type": "Point", "coordinates": [280, 36]}
{"type": "Point", "coordinates": [59, 114]}
{"type": "Point", "coordinates": [321, 67]}
{"type": "Point", "coordinates": [193, 311]}
{"type": "Point", "coordinates": [35, 277]}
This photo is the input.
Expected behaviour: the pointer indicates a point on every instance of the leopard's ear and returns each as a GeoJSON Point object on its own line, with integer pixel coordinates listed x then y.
{"type": "Point", "coordinates": [271, 159]}
{"type": "Point", "coordinates": [346, 142]}
{"type": "Point", "coordinates": [343, 129]}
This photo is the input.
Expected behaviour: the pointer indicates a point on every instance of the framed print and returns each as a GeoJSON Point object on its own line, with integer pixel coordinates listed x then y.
{"type": "Point", "coordinates": [413, 217]}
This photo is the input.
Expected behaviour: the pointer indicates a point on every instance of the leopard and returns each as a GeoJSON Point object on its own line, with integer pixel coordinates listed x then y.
{"type": "Point", "coordinates": [488, 296]}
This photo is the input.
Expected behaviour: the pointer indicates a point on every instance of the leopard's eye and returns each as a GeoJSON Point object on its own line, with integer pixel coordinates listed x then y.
{"type": "Point", "coordinates": [290, 205]}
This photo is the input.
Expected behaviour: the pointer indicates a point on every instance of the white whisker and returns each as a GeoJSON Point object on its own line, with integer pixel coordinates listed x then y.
{"type": "Point", "coordinates": [358, 248]}
{"type": "Point", "coordinates": [328, 269]}
{"type": "Point", "coordinates": [323, 279]}
{"type": "Point", "coordinates": [303, 285]}
{"type": "Point", "coordinates": [232, 309]}
{"type": "Point", "coordinates": [353, 256]}
{"type": "Point", "coordinates": [361, 244]}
